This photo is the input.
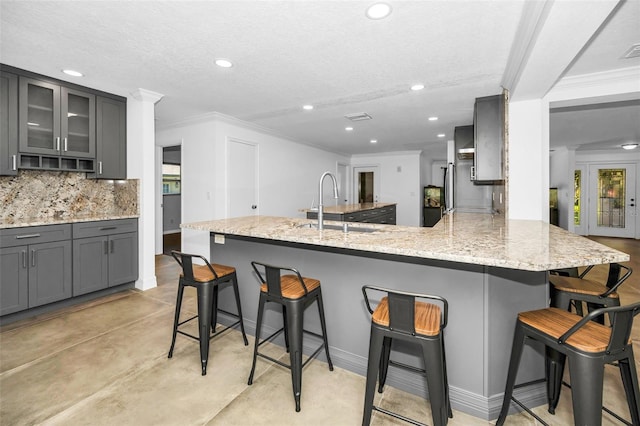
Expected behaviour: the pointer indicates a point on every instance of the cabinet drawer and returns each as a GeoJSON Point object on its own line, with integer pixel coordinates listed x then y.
{"type": "Point", "coordinates": [354, 217]}
{"type": "Point", "coordinates": [104, 227]}
{"type": "Point", "coordinates": [34, 235]}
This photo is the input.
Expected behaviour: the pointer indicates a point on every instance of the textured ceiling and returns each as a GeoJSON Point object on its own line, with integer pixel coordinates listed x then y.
{"type": "Point", "coordinates": [290, 53]}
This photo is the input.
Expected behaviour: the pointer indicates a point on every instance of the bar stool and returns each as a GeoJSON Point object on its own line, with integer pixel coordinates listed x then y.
{"type": "Point", "coordinates": [206, 279]}
{"type": "Point", "coordinates": [568, 288]}
{"type": "Point", "coordinates": [589, 345]}
{"type": "Point", "coordinates": [295, 293]}
{"type": "Point", "coordinates": [399, 315]}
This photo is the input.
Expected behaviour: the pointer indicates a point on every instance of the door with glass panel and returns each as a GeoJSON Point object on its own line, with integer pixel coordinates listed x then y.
{"type": "Point", "coordinates": [612, 200]}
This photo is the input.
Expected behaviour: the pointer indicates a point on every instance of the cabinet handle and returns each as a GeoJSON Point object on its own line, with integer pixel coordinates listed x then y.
{"type": "Point", "coordinates": [14, 162]}
{"type": "Point", "coordinates": [473, 172]}
{"type": "Point", "coordinates": [111, 242]}
{"type": "Point", "coordinates": [20, 237]}
{"type": "Point", "coordinates": [99, 167]}
{"type": "Point", "coordinates": [33, 258]}
{"type": "Point", "coordinates": [24, 258]}
{"type": "Point", "coordinates": [58, 143]}
{"type": "Point", "coordinates": [108, 228]}
{"type": "Point", "coordinates": [65, 144]}
{"type": "Point", "coordinates": [106, 247]}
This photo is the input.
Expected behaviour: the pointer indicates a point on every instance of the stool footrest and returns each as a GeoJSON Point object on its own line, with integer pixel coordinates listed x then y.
{"type": "Point", "coordinates": [312, 356]}
{"type": "Point", "coordinates": [525, 408]}
{"type": "Point", "coordinates": [398, 416]}
{"type": "Point", "coordinates": [407, 367]}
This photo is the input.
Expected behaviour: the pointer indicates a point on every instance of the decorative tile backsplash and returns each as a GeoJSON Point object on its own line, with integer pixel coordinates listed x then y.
{"type": "Point", "coordinates": [36, 194]}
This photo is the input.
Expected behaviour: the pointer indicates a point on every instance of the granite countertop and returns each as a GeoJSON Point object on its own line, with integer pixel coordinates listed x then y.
{"type": "Point", "coordinates": [57, 220]}
{"type": "Point", "coordinates": [350, 208]}
{"type": "Point", "coordinates": [482, 239]}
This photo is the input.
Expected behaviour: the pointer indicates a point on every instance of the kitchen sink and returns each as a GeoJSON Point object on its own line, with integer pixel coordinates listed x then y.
{"type": "Point", "coordinates": [350, 228]}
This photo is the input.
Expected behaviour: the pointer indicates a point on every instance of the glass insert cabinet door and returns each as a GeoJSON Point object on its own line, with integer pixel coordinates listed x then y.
{"type": "Point", "coordinates": [612, 201]}
{"type": "Point", "coordinates": [56, 120]}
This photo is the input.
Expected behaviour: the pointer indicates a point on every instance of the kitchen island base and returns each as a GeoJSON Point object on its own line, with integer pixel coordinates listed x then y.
{"type": "Point", "coordinates": [483, 305]}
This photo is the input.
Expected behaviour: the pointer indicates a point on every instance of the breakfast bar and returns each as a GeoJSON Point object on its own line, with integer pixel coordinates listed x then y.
{"type": "Point", "coordinates": [487, 267]}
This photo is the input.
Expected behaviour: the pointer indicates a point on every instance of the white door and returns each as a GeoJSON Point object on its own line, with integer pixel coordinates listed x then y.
{"type": "Point", "coordinates": [366, 184]}
{"type": "Point", "coordinates": [242, 175]}
{"type": "Point", "coordinates": [342, 184]}
{"type": "Point", "coordinates": [612, 200]}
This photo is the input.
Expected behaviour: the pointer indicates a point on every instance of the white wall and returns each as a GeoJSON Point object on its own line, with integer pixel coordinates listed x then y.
{"type": "Point", "coordinates": [402, 187]}
{"type": "Point", "coordinates": [288, 171]}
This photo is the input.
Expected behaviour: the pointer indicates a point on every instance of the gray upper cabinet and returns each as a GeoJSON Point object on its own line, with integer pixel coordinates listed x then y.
{"type": "Point", "coordinates": [8, 124]}
{"type": "Point", "coordinates": [489, 136]}
{"type": "Point", "coordinates": [111, 139]}
{"type": "Point", "coordinates": [56, 120]}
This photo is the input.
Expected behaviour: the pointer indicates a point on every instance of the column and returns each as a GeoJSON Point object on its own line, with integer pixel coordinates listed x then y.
{"type": "Point", "coordinates": [141, 166]}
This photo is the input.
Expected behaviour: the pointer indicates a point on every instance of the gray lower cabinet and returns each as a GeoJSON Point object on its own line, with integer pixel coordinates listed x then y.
{"type": "Point", "coordinates": [36, 266]}
{"type": "Point", "coordinates": [105, 254]}
{"type": "Point", "coordinates": [43, 264]}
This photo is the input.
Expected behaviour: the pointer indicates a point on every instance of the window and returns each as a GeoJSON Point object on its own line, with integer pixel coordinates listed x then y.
{"type": "Point", "coordinates": [577, 176]}
{"type": "Point", "coordinates": [170, 179]}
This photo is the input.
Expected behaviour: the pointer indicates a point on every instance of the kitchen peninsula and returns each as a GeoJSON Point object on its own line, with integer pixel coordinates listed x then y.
{"type": "Point", "coordinates": [488, 268]}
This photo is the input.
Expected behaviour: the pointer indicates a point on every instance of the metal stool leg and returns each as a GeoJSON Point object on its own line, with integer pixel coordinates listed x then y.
{"type": "Point", "coordinates": [514, 362]}
{"type": "Point", "coordinates": [375, 351]}
{"type": "Point", "coordinates": [295, 323]}
{"type": "Point", "coordinates": [176, 319]}
{"type": "Point", "coordinates": [234, 283]}
{"type": "Point", "coordinates": [214, 309]}
{"type": "Point", "coordinates": [630, 381]}
{"type": "Point", "coordinates": [384, 362]}
{"type": "Point", "coordinates": [433, 361]}
{"type": "Point", "coordinates": [324, 330]}
{"type": "Point", "coordinates": [205, 300]}
{"type": "Point", "coordinates": [261, 304]}
{"type": "Point", "coordinates": [554, 369]}
{"type": "Point", "coordinates": [286, 327]}
{"type": "Point", "coordinates": [587, 376]}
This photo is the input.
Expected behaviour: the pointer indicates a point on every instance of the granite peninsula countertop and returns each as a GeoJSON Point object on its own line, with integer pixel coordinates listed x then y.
{"type": "Point", "coordinates": [481, 239]}
{"type": "Point", "coordinates": [350, 208]}
{"type": "Point", "coordinates": [58, 220]}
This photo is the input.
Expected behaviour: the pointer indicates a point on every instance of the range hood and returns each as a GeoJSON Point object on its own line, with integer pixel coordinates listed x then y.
{"type": "Point", "coordinates": [464, 143]}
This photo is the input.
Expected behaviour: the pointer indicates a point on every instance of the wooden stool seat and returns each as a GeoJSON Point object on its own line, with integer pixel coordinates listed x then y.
{"type": "Point", "coordinates": [202, 273]}
{"type": "Point", "coordinates": [291, 287]}
{"type": "Point", "coordinates": [593, 337]}
{"type": "Point", "coordinates": [427, 317]}
{"type": "Point", "coordinates": [579, 286]}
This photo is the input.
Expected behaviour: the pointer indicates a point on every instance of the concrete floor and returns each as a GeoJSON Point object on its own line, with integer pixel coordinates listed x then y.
{"type": "Point", "coordinates": [105, 363]}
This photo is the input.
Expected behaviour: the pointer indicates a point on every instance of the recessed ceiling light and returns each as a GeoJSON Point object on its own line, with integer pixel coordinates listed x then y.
{"type": "Point", "coordinates": [348, 129]}
{"type": "Point", "coordinates": [416, 87]}
{"type": "Point", "coordinates": [441, 135]}
{"type": "Point", "coordinates": [307, 107]}
{"type": "Point", "coordinates": [629, 145]}
{"type": "Point", "coordinates": [374, 141]}
{"type": "Point", "coordinates": [223, 63]}
{"type": "Point", "coordinates": [433, 118]}
{"type": "Point", "coordinates": [73, 73]}
{"type": "Point", "coordinates": [378, 11]}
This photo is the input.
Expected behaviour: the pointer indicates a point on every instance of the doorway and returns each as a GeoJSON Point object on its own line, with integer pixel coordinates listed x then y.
{"type": "Point", "coordinates": [171, 198]}
{"type": "Point", "coordinates": [612, 200]}
{"type": "Point", "coordinates": [366, 184]}
{"type": "Point", "coordinates": [342, 177]}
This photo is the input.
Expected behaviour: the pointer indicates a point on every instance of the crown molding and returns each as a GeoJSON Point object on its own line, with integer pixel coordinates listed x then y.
{"type": "Point", "coordinates": [601, 84]}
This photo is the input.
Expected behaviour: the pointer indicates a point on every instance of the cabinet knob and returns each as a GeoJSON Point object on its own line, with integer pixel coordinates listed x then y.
{"type": "Point", "coordinates": [253, 207]}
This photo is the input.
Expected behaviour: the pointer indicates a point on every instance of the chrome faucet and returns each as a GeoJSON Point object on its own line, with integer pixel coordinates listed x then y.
{"type": "Point", "coordinates": [320, 197]}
